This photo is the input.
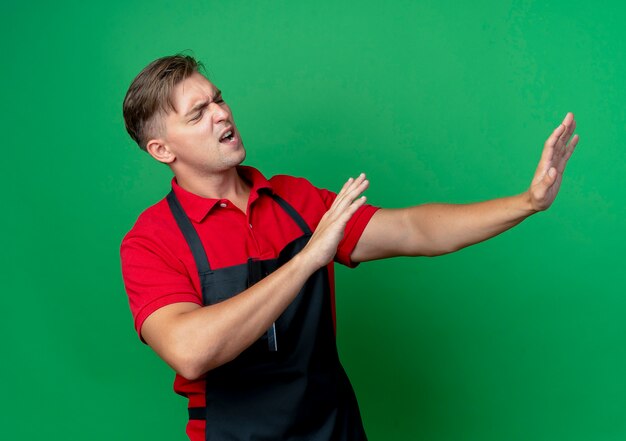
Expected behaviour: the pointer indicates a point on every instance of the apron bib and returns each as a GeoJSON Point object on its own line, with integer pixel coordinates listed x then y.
{"type": "Point", "coordinates": [289, 384]}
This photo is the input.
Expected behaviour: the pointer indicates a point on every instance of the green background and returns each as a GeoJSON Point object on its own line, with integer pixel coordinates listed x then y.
{"type": "Point", "coordinates": [519, 338]}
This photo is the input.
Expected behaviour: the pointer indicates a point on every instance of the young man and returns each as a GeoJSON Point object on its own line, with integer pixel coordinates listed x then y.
{"type": "Point", "coordinates": [230, 277]}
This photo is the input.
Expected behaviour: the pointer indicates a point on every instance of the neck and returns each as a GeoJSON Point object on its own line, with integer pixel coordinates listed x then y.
{"type": "Point", "coordinates": [227, 185]}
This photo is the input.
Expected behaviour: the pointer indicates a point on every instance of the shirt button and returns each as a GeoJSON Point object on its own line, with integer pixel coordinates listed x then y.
{"type": "Point", "coordinates": [250, 226]}
{"type": "Point", "coordinates": [223, 205]}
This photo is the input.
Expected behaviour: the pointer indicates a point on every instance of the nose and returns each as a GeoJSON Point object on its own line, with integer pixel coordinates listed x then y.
{"type": "Point", "coordinates": [220, 112]}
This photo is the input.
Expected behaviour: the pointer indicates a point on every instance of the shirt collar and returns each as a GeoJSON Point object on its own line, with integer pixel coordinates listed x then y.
{"type": "Point", "coordinates": [197, 207]}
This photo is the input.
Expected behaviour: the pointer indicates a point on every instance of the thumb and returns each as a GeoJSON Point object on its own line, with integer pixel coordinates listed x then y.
{"type": "Point", "coordinates": [549, 177]}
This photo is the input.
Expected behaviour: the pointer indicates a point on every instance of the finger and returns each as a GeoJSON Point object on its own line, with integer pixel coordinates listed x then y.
{"type": "Point", "coordinates": [351, 183]}
{"type": "Point", "coordinates": [346, 214]}
{"type": "Point", "coordinates": [356, 204]}
{"type": "Point", "coordinates": [345, 184]}
{"type": "Point", "coordinates": [560, 154]}
{"type": "Point", "coordinates": [347, 200]}
{"type": "Point", "coordinates": [356, 182]}
{"type": "Point", "coordinates": [357, 186]}
{"type": "Point", "coordinates": [567, 122]}
{"type": "Point", "coordinates": [348, 191]}
{"type": "Point", "coordinates": [568, 152]}
{"type": "Point", "coordinates": [548, 149]}
{"type": "Point", "coordinates": [565, 136]}
{"type": "Point", "coordinates": [554, 137]}
{"type": "Point", "coordinates": [569, 117]}
{"type": "Point", "coordinates": [355, 190]}
{"type": "Point", "coordinates": [342, 191]}
{"type": "Point", "coordinates": [344, 210]}
{"type": "Point", "coordinates": [548, 153]}
{"type": "Point", "coordinates": [341, 212]}
{"type": "Point", "coordinates": [572, 145]}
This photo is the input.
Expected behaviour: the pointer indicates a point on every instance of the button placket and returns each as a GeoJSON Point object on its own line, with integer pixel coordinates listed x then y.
{"type": "Point", "coordinates": [251, 231]}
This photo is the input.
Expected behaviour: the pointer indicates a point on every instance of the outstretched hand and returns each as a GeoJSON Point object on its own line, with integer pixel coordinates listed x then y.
{"type": "Point", "coordinates": [556, 152]}
{"type": "Point", "coordinates": [322, 246]}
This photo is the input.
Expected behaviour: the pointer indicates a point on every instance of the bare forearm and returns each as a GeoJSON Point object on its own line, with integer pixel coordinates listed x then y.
{"type": "Point", "coordinates": [434, 229]}
{"type": "Point", "coordinates": [203, 338]}
{"type": "Point", "coordinates": [448, 228]}
{"type": "Point", "coordinates": [444, 228]}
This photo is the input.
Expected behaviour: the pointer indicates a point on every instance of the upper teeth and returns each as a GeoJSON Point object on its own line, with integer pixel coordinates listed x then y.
{"type": "Point", "coordinates": [227, 134]}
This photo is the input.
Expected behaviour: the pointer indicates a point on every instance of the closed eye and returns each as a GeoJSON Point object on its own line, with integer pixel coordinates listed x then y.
{"type": "Point", "coordinates": [201, 107]}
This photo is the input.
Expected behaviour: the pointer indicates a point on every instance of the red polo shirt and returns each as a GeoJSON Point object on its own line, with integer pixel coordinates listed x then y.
{"type": "Point", "coordinates": [159, 269]}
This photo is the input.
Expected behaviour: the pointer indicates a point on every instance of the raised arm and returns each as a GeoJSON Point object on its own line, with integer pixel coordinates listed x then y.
{"type": "Point", "coordinates": [435, 229]}
{"type": "Point", "coordinates": [194, 339]}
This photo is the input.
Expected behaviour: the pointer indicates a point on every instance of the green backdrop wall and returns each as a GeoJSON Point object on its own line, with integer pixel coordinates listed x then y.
{"type": "Point", "coordinates": [519, 338]}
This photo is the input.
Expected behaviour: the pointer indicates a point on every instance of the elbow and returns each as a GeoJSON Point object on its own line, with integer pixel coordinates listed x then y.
{"type": "Point", "coordinates": [439, 251]}
{"type": "Point", "coordinates": [421, 243]}
{"type": "Point", "coordinates": [442, 250]}
{"type": "Point", "coordinates": [427, 248]}
{"type": "Point", "coordinates": [188, 367]}
{"type": "Point", "coordinates": [188, 360]}
{"type": "Point", "coordinates": [190, 350]}
{"type": "Point", "coordinates": [192, 363]}
{"type": "Point", "coordinates": [430, 253]}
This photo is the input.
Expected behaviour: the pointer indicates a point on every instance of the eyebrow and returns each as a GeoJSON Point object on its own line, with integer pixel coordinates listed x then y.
{"type": "Point", "coordinates": [204, 103]}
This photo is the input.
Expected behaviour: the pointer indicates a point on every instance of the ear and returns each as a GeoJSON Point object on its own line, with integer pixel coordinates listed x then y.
{"type": "Point", "coordinates": [160, 151]}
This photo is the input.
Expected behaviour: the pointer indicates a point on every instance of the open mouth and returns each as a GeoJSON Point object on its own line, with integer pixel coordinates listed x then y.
{"type": "Point", "coordinates": [227, 136]}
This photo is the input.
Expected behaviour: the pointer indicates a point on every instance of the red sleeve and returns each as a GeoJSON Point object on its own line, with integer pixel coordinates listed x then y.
{"type": "Point", "coordinates": [153, 277]}
{"type": "Point", "coordinates": [354, 229]}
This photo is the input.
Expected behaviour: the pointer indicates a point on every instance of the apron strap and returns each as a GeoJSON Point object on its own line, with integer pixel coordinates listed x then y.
{"type": "Point", "coordinates": [193, 240]}
{"type": "Point", "coordinates": [197, 413]}
{"type": "Point", "coordinates": [292, 213]}
{"type": "Point", "coordinates": [190, 233]}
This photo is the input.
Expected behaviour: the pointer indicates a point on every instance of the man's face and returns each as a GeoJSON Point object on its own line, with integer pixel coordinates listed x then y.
{"type": "Point", "coordinates": [200, 132]}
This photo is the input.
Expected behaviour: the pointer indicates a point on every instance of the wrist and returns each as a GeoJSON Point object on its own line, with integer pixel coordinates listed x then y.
{"type": "Point", "coordinates": [306, 262]}
{"type": "Point", "coordinates": [527, 203]}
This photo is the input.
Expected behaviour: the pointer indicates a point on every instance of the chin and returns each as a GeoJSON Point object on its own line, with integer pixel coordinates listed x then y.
{"type": "Point", "coordinates": [235, 159]}
{"type": "Point", "coordinates": [243, 153]}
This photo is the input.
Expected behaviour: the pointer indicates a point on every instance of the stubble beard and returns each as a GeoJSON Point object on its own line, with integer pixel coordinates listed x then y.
{"type": "Point", "coordinates": [227, 161]}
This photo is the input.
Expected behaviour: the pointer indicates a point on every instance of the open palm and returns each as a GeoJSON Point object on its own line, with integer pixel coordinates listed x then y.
{"type": "Point", "coordinates": [556, 152]}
